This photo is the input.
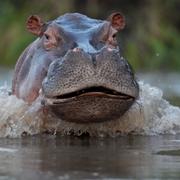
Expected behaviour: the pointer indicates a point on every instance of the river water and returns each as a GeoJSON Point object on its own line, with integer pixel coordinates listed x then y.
{"type": "Point", "coordinates": [152, 151]}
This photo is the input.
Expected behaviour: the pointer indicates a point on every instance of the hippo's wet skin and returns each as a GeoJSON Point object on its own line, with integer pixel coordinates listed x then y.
{"type": "Point", "coordinates": [76, 68]}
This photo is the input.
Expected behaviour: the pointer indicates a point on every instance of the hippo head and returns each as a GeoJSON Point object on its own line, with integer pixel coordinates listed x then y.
{"type": "Point", "coordinates": [87, 79]}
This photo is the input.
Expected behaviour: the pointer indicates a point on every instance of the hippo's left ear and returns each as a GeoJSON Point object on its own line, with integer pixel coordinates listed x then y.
{"type": "Point", "coordinates": [117, 20]}
{"type": "Point", "coordinates": [35, 25]}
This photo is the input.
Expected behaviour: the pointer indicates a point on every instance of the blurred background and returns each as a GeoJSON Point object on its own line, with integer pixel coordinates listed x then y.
{"type": "Point", "coordinates": [150, 41]}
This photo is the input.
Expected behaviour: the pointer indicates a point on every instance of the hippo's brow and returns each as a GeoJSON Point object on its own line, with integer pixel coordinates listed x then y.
{"type": "Point", "coordinates": [77, 22]}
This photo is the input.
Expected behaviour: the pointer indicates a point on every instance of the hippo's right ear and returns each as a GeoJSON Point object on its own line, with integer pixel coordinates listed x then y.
{"type": "Point", "coordinates": [117, 20]}
{"type": "Point", "coordinates": [35, 25]}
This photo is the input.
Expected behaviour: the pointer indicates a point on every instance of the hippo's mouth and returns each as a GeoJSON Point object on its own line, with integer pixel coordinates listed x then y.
{"type": "Point", "coordinates": [90, 91]}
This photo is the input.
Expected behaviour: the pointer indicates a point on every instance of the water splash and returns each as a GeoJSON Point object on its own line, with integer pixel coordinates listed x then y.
{"type": "Point", "coordinates": [150, 115]}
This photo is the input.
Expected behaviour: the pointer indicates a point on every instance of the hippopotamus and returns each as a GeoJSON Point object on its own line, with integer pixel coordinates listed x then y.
{"type": "Point", "coordinates": [76, 69]}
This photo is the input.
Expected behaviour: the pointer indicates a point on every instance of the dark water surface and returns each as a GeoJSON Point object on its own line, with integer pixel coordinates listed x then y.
{"type": "Point", "coordinates": [54, 157]}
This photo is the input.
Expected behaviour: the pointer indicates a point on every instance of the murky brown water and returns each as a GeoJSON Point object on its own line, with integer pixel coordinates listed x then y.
{"type": "Point", "coordinates": [53, 157]}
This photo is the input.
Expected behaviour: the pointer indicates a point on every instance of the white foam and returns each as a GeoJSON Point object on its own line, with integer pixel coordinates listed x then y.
{"type": "Point", "coordinates": [8, 150]}
{"type": "Point", "coordinates": [150, 115]}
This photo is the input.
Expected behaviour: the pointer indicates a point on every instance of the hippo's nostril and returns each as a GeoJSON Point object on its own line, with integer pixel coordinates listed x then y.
{"type": "Point", "coordinates": [43, 102]}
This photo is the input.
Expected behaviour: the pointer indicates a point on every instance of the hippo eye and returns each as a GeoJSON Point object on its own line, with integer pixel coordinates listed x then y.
{"type": "Point", "coordinates": [114, 36]}
{"type": "Point", "coordinates": [47, 36]}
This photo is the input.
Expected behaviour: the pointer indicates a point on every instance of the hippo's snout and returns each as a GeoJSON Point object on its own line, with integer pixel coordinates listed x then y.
{"type": "Point", "coordinates": [83, 87]}
{"type": "Point", "coordinates": [79, 70]}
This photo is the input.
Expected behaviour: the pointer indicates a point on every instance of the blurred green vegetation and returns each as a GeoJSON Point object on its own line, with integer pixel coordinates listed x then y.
{"type": "Point", "coordinates": [150, 41]}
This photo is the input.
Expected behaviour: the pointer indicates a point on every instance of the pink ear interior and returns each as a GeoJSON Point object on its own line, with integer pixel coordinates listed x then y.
{"type": "Point", "coordinates": [117, 20]}
{"type": "Point", "coordinates": [34, 25]}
